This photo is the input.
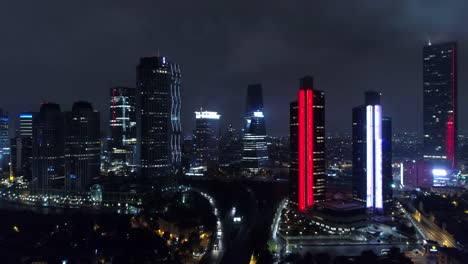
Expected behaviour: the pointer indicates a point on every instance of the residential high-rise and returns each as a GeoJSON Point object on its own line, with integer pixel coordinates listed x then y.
{"type": "Point", "coordinates": [122, 143]}
{"type": "Point", "coordinates": [255, 148]}
{"type": "Point", "coordinates": [206, 141]}
{"type": "Point", "coordinates": [158, 117]}
{"type": "Point", "coordinates": [307, 138]}
{"type": "Point", "coordinates": [82, 146]}
{"type": "Point", "coordinates": [4, 142]}
{"type": "Point", "coordinates": [48, 147]}
{"type": "Point", "coordinates": [372, 157]}
{"type": "Point", "coordinates": [440, 104]}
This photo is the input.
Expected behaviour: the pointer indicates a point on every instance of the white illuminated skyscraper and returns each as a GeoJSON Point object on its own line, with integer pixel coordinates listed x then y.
{"type": "Point", "coordinates": [372, 177]}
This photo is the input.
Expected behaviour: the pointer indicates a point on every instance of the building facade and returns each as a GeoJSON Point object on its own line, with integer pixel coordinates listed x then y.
{"type": "Point", "coordinates": [307, 141]}
{"type": "Point", "coordinates": [230, 148]}
{"type": "Point", "coordinates": [4, 142]}
{"type": "Point", "coordinates": [123, 130]}
{"type": "Point", "coordinates": [255, 147]}
{"type": "Point", "coordinates": [372, 154]}
{"type": "Point", "coordinates": [48, 148]}
{"type": "Point", "coordinates": [206, 141]}
{"type": "Point", "coordinates": [82, 147]}
{"type": "Point", "coordinates": [158, 117]}
{"type": "Point", "coordinates": [440, 104]}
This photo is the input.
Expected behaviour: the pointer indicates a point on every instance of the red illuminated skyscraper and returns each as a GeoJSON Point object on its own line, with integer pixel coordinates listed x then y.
{"type": "Point", "coordinates": [440, 104]}
{"type": "Point", "coordinates": [307, 139]}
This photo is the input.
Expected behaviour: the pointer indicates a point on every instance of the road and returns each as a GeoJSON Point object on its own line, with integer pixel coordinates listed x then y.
{"type": "Point", "coordinates": [430, 230]}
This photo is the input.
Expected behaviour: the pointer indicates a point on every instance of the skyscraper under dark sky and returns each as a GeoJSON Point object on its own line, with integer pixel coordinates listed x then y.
{"type": "Point", "coordinates": [48, 147]}
{"type": "Point", "coordinates": [205, 141]}
{"type": "Point", "coordinates": [158, 116]}
{"type": "Point", "coordinates": [255, 150]}
{"type": "Point", "coordinates": [372, 159]}
{"type": "Point", "coordinates": [122, 143]}
{"type": "Point", "coordinates": [82, 146]}
{"type": "Point", "coordinates": [307, 138]}
{"type": "Point", "coordinates": [440, 103]}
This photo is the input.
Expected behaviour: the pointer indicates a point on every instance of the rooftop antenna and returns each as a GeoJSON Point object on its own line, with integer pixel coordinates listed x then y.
{"type": "Point", "coordinates": [158, 52]}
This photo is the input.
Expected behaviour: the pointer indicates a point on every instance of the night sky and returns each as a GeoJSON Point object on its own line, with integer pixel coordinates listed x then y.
{"type": "Point", "coordinates": [64, 51]}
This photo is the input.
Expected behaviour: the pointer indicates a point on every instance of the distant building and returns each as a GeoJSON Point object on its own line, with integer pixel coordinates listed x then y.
{"type": "Point", "coordinates": [82, 147]}
{"type": "Point", "coordinates": [417, 174]}
{"type": "Point", "coordinates": [4, 142]}
{"type": "Point", "coordinates": [230, 147]}
{"type": "Point", "coordinates": [158, 117]}
{"type": "Point", "coordinates": [307, 175]}
{"type": "Point", "coordinates": [440, 104]}
{"type": "Point", "coordinates": [123, 133]}
{"type": "Point", "coordinates": [206, 141]}
{"type": "Point", "coordinates": [21, 156]}
{"type": "Point", "coordinates": [48, 147]}
{"type": "Point", "coordinates": [372, 171]}
{"type": "Point", "coordinates": [255, 149]}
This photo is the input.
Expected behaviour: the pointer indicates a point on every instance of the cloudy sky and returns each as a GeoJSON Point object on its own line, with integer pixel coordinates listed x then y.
{"type": "Point", "coordinates": [63, 51]}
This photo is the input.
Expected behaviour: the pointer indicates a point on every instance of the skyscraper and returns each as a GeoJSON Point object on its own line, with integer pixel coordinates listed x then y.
{"type": "Point", "coordinates": [122, 144]}
{"type": "Point", "coordinates": [21, 157]}
{"type": "Point", "coordinates": [206, 140]}
{"type": "Point", "coordinates": [307, 138]}
{"type": "Point", "coordinates": [440, 104]}
{"type": "Point", "coordinates": [255, 149]}
{"type": "Point", "coordinates": [158, 116]}
{"type": "Point", "coordinates": [82, 146]}
{"type": "Point", "coordinates": [230, 148]}
{"type": "Point", "coordinates": [4, 142]}
{"type": "Point", "coordinates": [48, 147]}
{"type": "Point", "coordinates": [372, 172]}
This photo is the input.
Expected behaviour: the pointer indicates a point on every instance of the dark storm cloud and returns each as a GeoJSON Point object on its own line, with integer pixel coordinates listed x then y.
{"type": "Point", "coordinates": [64, 51]}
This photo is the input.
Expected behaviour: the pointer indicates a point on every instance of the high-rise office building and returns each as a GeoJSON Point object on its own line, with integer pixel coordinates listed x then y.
{"type": "Point", "coordinates": [48, 147]}
{"type": "Point", "coordinates": [21, 159]}
{"type": "Point", "coordinates": [82, 146]}
{"type": "Point", "coordinates": [440, 104]}
{"type": "Point", "coordinates": [372, 157]}
{"type": "Point", "coordinates": [307, 140]}
{"type": "Point", "coordinates": [122, 143]}
{"type": "Point", "coordinates": [255, 148]}
{"type": "Point", "coordinates": [158, 117]}
{"type": "Point", "coordinates": [230, 147]}
{"type": "Point", "coordinates": [4, 142]}
{"type": "Point", "coordinates": [206, 141]}
{"type": "Point", "coordinates": [25, 124]}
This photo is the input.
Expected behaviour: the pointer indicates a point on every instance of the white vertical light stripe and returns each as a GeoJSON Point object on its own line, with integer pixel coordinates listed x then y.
{"type": "Point", "coordinates": [370, 156]}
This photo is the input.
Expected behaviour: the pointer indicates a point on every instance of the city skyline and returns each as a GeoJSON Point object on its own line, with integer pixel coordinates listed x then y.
{"type": "Point", "coordinates": [383, 54]}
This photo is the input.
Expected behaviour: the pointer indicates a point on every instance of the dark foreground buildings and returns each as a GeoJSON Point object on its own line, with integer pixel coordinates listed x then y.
{"type": "Point", "coordinates": [372, 171]}
{"type": "Point", "coordinates": [158, 117]}
{"type": "Point", "coordinates": [307, 141]}
{"type": "Point", "coordinates": [440, 104]}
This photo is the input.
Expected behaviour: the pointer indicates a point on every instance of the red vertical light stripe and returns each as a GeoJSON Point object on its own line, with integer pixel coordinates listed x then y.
{"type": "Point", "coordinates": [301, 146]}
{"type": "Point", "coordinates": [310, 149]}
